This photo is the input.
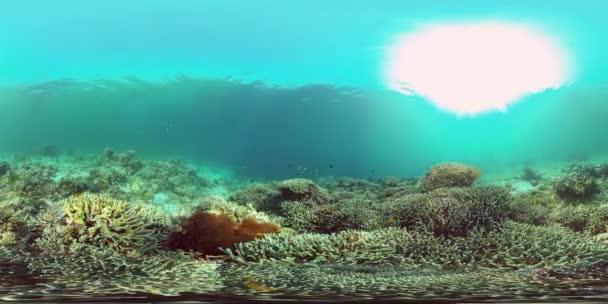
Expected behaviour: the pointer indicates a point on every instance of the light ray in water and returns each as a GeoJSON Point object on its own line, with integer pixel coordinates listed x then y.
{"type": "Point", "coordinates": [468, 68]}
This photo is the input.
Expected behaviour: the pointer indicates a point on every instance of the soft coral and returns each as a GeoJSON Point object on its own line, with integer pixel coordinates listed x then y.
{"type": "Point", "coordinates": [206, 233]}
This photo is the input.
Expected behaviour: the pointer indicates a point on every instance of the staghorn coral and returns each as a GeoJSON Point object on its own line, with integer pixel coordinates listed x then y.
{"type": "Point", "coordinates": [450, 212]}
{"type": "Point", "coordinates": [358, 186]}
{"type": "Point", "coordinates": [262, 197]}
{"type": "Point", "coordinates": [534, 207]}
{"type": "Point", "coordinates": [206, 233]}
{"type": "Point", "coordinates": [98, 221]}
{"type": "Point", "coordinates": [345, 214]}
{"type": "Point", "coordinates": [300, 189]}
{"type": "Point", "coordinates": [97, 270]}
{"type": "Point", "coordinates": [514, 246]}
{"type": "Point", "coordinates": [365, 281]}
{"type": "Point", "coordinates": [376, 247]}
{"type": "Point", "coordinates": [17, 223]}
{"type": "Point", "coordinates": [592, 219]}
{"type": "Point", "coordinates": [448, 175]}
{"type": "Point", "coordinates": [32, 181]}
{"type": "Point", "coordinates": [67, 187]}
{"type": "Point", "coordinates": [576, 186]}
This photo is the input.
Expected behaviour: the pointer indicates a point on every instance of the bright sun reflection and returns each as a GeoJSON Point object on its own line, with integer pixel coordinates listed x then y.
{"type": "Point", "coordinates": [468, 68]}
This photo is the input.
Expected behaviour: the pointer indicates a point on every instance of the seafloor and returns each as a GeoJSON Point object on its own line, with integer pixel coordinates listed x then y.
{"type": "Point", "coordinates": [114, 227]}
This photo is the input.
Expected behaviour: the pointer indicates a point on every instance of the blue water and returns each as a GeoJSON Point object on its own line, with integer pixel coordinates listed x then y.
{"type": "Point", "coordinates": [301, 58]}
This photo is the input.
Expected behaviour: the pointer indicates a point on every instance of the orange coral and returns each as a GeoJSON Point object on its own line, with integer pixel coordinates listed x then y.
{"type": "Point", "coordinates": [206, 233]}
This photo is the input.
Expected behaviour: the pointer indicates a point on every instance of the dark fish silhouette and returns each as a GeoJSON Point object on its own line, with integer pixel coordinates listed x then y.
{"type": "Point", "coordinates": [331, 166]}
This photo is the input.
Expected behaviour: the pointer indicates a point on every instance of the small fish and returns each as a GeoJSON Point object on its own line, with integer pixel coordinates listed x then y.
{"type": "Point", "coordinates": [291, 166]}
{"type": "Point", "coordinates": [373, 171]}
{"type": "Point", "coordinates": [331, 166]}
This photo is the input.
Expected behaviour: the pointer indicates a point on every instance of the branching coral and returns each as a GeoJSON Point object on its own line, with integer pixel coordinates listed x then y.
{"type": "Point", "coordinates": [449, 175]}
{"type": "Point", "coordinates": [514, 246]}
{"type": "Point", "coordinates": [32, 181]}
{"type": "Point", "coordinates": [450, 212]}
{"type": "Point", "coordinates": [103, 271]}
{"type": "Point", "coordinates": [345, 214]}
{"type": "Point", "coordinates": [98, 221]}
{"type": "Point", "coordinates": [16, 223]}
{"type": "Point", "coordinates": [576, 186]}
{"type": "Point", "coordinates": [299, 189]}
{"type": "Point", "coordinates": [261, 196]}
{"type": "Point", "coordinates": [591, 219]}
{"type": "Point", "coordinates": [364, 281]}
{"type": "Point", "coordinates": [348, 246]}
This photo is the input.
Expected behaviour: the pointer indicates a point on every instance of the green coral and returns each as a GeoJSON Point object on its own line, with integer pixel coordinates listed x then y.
{"type": "Point", "coordinates": [300, 189]}
{"type": "Point", "coordinates": [94, 220]}
{"type": "Point", "coordinates": [261, 196]}
{"type": "Point", "coordinates": [16, 221]}
{"type": "Point", "coordinates": [365, 281]}
{"type": "Point", "coordinates": [357, 247]}
{"type": "Point", "coordinates": [534, 207]}
{"type": "Point", "coordinates": [450, 211]}
{"type": "Point", "coordinates": [514, 246]}
{"type": "Point", "coordinates": [591, 219]}
{"type": "Point", "coordinates": [449, 175]}
{"type": "Point", "coordinates": [346, 214]}
{"type": "Point", "coordinates": [98, 270]}
{"type": "Point", "coordinates": [7, 255]}
{"type": "Point", "coordinates": [576, 186]}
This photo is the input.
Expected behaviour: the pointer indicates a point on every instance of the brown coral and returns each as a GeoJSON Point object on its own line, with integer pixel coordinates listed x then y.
{"type": "Point", "coordinates": [206, 233]}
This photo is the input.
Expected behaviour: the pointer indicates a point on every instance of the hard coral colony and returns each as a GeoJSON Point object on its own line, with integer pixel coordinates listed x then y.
{"type": "Point", "coordinates": [118, 224]}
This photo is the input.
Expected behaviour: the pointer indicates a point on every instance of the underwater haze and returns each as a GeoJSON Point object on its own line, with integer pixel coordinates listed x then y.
{"type": "Point", "coordinates": [265, 150]}
{"type": "Point", "coordinates": [257, 86]}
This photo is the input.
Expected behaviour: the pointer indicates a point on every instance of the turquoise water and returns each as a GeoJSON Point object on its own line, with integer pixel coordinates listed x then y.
{"type": "Point", "coordinates": [252, 93]}
{"type": "Point", "coordinates": [134, 75]}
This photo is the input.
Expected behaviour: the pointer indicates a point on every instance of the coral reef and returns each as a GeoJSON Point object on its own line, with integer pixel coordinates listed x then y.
{"type": "Point", "coordinates": [448, 175]}
{"type": "Point", "coordinates": [514, 246]}
{"type": "Point", "coordinates": [117, 224]}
